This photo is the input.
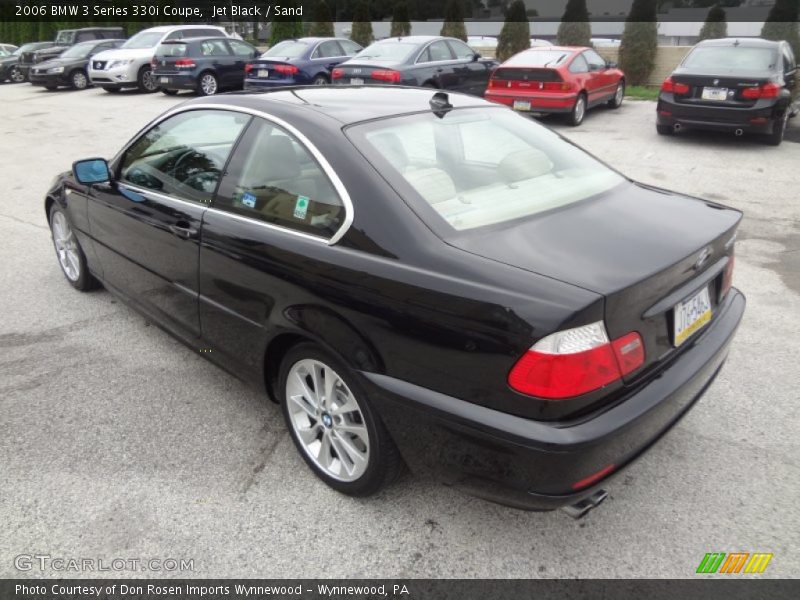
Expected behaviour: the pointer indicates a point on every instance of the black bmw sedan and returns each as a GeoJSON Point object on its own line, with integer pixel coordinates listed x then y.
{"type": "Point", "coordinates": [417, 278]}
{"type": "Point", "coordinates": [735, 85]}
{"type": "Point", "coordinates": [426, 61]}
{"type": "Point", "coordinates": [69, 68]}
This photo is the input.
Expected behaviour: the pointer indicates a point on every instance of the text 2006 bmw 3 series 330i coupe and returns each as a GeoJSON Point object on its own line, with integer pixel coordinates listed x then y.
{"type": "Point", "coordinates": [418, 279]}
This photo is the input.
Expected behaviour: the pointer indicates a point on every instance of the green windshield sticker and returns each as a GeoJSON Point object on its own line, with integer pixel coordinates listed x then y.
{"type": "Point", "coordinates": [301, 207]}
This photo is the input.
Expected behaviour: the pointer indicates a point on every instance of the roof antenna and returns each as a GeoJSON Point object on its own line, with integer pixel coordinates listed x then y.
{"type": "Point", "coordinates": [440, 103]}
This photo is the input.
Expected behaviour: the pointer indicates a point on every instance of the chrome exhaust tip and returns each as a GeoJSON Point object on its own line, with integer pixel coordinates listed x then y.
{"type": "Point", "coordinates": [579, 509]}
{"type": "Point", "coordinates": [738, 132]}
{"type": "Point", "coordinates": [677, 127]}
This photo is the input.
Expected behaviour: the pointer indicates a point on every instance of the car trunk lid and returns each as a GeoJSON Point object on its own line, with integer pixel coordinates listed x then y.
{"type": "Point", "coordinates": [528, 79]}
{"type": "Point", "coordinates": [730, 89]}
{"type": "Point", "coordinates": [639, 247]}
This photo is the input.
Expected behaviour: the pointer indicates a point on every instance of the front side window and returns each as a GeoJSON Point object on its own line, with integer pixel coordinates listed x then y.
{"type": "Point", "coordinates": [437, 51]}
{"type": "Point", "coordinates": [276, 180]}
{"type": "Point", "coordinates": [478, 167]}
{"type": "Point", "coordinates": [350, 48]}
{"type": "Point", "coordinates": [327, 50]}
{"type": "Point", "coordinates": [184, 155]}
{"type": "Point", "coordinates": [461, 50]}
{"type": "Point", "coordinates": [596, 62]}
{"type": "Point", "coordinates": [241, 49]}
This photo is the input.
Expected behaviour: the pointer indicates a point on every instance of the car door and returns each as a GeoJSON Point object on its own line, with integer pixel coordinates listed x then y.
{"type": "Point", "coordinates": [272, 216]}
{"type": "Point", "coordinates": [146, 222]}
{"type": "Point", "coordinates": [218, 57]}
{"type": "Point", "coordinates": [242, 53]}
{"type": "Point", "coordinates": [325, 57]}
{"type": "Point", "coordinates": [601, 83]}
{"type": "Point", "coordinates": [475, 70]}
{"type": "Point", "coordinates": [437, 64]}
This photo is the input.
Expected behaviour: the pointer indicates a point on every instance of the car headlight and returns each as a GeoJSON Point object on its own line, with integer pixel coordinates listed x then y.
{"type": "Point", "coordinates": [55, 70]}
{"type": "Point", "coordinates": [119, 63]}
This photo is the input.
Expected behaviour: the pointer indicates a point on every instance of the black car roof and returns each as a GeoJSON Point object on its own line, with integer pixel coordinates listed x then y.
{"type": "Point", "coordinates": [345, 104]}
{"type": "Point", "coordinates": [744, 42]}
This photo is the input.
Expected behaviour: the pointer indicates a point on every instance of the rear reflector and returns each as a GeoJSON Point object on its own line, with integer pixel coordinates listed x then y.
{"type": "Point", "coordinates": [593, 478]}
{"type": "Point", "coordinates": [576, 361]}
{"type": "Point", "coordinates": [674, 88]}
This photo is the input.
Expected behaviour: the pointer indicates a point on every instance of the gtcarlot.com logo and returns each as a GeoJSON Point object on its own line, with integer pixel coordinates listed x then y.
{"type": "Point", "coordinates": [733, 563]}
{"type": "Point", "coordinates": [45, 562]}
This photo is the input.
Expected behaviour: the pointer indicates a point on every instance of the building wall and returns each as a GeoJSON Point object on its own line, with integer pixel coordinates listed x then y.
{"type": "Point", "coordinates": [667, 58]}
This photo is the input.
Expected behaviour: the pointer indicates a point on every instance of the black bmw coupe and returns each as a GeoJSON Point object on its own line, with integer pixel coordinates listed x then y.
{"type": "Point", "coordinates": [417, 278]}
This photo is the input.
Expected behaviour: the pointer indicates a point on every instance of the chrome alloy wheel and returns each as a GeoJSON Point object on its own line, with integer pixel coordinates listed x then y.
{"type": "Point", "coordinates": [580, 109]}
{"type": "Point", "coordinates": [619, 94]}
{"type": "Point", "coordinates": [208, 83]}
{"type": "Point", "coordinates": [327, 420]}
{"type": "Point", "coordinates": [66, 247]}
{"type": "Point", "coordinates": [16, 75]}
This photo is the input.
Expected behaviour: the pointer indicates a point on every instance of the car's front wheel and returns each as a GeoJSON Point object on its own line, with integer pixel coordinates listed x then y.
{"type": "Point", "coordinates": [146, 81]}
{"type": "Point", "coordinates": [333, 424]}
{"type": "Point", "coordinates": [78, 80]}
{"type": "Point", "coordinates": [16, 75]}
{"type": "Point", "coordinates": [575, 117]}
{"type": "Point", "coordinates": [69, 252]}
{"type": "Point", "coordinates": [619, 94]}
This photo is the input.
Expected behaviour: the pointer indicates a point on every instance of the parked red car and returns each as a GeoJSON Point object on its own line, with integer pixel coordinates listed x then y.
{"type": "Point", "coordinates": [557, 79]}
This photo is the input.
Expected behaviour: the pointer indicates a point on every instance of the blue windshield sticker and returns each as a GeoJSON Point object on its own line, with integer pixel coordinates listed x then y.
{"type": "Point", "coordinates": [249, 200]}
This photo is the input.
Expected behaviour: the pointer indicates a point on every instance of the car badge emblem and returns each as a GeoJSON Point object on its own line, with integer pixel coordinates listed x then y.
{"type": "Point", "coordinates": [356, 71]}
{"type": "Point", "coordinates": [705, 254]}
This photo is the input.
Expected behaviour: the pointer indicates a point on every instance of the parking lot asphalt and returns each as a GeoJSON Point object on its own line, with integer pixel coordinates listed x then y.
{"type": "Point", "coordinates": [116, 441]}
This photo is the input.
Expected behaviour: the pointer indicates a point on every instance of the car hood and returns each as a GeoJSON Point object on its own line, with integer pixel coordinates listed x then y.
{"type": "Point", "coordinates": [124, 53]}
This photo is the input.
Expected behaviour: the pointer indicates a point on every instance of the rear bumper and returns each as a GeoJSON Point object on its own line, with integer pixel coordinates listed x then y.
{"type": "Point", "coordinates": [535, 465]}
{"type": "Point", "coordinates": [756, 119]}
{"type": "Point", "coordinates": [540, 103]}
{"type": "Point", "coordinates": [176, 81]}
{"type": "Point", "coordinates": [268, 84]}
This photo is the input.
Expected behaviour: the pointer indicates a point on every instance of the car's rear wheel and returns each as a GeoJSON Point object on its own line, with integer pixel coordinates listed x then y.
{"type": "Point", "coordinates": [575, 117]}
{"type": "Point", "coordinates": [78, 80]}
{"type": "Point", "coordinates": [320, 80]}
{"type": "Point", "coordinates": [69, 252]}
{"type": "Point", "coordinates": [619, 95]}
{"type": "Point", "coordinates": [168, 92]}
{"type": "Point", "coordinates": [333, 424]}
{"type": "Point", "coordinates": [16, 75]}
{"type": "Point", "coordinates": [664, 130]}
{"type": "Point", "coordinates": [778, 130]}
{"type": "Point", "coordinates": [146, 81]}
{"type": "Point", "coordinates": [207, 85]}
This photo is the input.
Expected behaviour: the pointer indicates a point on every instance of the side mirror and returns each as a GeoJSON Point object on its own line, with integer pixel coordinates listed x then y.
{"type": "Point", "coordinates": [476, 57]}
{"type": "Point", "coordinates": [611, 65]}
{"type": "Point", "coordinates": [91, 170]}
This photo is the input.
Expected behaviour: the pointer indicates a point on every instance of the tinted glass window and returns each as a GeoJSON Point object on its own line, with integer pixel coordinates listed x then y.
{"type": "Point", "coordinates": [437, 51]}
{"type": "Point", "coordinates": [287, 49]}
{"type": "Point", "coordinates": [728, 57]}
{"type": "Point", "coordinates": [595, 60]}
{"type": "Point", "coordinates": [579, 65]}
{"type": "Point", "coordinates": [145, 39]}
{"type": "Point", "coordinates": [276, 180]}
{"type": "Point", "coordinates": [538, 58]}
{"type": "Point", "coordinates": [327, 50]}
{"type": "Point", "coordinates": [241, 49]}
{"type": "Point", "coordinates": [350, 48]}
{"type": "Point", "coordinates": [214, 48]}
{"type": "Point", "coordinates": [461, 50]}
{"type": "Point", "coordinates": [184, 155]}
{"type": "Point", "coordinates": [172, 49]}
{"type": "Point", "coordinates": [533, 169]}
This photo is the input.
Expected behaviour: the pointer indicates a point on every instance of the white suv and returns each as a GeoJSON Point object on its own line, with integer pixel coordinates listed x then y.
{"type": "Point", "coordinates": [129, 65]}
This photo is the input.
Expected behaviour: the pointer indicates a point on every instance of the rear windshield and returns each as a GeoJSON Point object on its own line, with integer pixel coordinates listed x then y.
{"type": "Point", "coordinates": [79, 50]}
{"type": "Point", "coordinates": [479, 167]}
{"type": "Point", "coordinates": [173, 49]}
{"type": "Point", "coordinates": [731, 57]}
{"type": "Point", "coordinates": [287, 49]}
{"type": "Point", "coordinates": [387, 51]}
{"type": "Point", "coordinates": [144, 39]}
{"type": "Point", "coordinates": [538, 58]}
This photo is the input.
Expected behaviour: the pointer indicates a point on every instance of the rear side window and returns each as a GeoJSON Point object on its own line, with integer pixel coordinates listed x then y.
{"type": "Point", "coordinates": [184, 155]}
{"type": "Point", "coordinates": [276, 180]}
{"type": "Point", "coordinates": [579, 65]}
{"type": "Point", "coordinates": [214, 48]}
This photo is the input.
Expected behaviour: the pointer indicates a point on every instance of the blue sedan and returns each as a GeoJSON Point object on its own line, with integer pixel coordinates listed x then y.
{"type": "Point", "coordinates": [298, 62]}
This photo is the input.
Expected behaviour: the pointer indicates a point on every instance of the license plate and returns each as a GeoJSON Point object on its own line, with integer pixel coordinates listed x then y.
{"type": "Point", "coordinates": [521, 105]}
{"type": "Point", "coordinates": [356, 81]}
{"type": "Point", "coordinates": [263, 73]}
{"type": "Point", "coordinates": [163, 80]}
{"type": "Point", "coordinates": [691, 315]}
{"type": "Point", "coordinates": [714, 93]}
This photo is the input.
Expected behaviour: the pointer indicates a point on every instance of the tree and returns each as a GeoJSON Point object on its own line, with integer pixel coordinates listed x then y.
{"type": "Point", "coordinates": [781, 24]}
{"type": "Point", "coordinates": [453, 25]}
{"type": "Point", "coordinates": [715, 26]}
{"type": "Point", "coordinates": [574, 29]}
{"type": "Point", "coordinates": [637, 52]}
{"type": "Point", "coordinates": [400, 23]}
{"type": "Point", "coordinates": [285, 28]}
{"type": "Point", "coordinates": [322, 25]}
{"type": "Point", "coordinates": [361, 32]}
{"type": "Point", "coordinates": [516, 33]}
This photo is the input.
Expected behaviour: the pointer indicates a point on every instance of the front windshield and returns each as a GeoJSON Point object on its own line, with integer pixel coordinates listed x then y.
{"type": "Point", "coordinates": [729, 57]}
{"type": "Point", "coordinates": [479, 167]}
{"type": "Point", "coordinates": [144, 39]}
{"type": "Point", "coordinates": [286, 49]}
{"type": "Point", "coordinates": [397, 51]}
{"type": "Point", "coordinates": [78, 51]}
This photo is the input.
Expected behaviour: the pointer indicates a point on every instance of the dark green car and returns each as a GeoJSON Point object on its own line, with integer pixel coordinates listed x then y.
{"type": "Point", "coordinates": [69, 67]}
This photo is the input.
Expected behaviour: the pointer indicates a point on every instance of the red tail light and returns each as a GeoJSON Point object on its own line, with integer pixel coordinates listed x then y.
{"type": "Point", "coordinates": [337, 73]}
{"type": "Point", "coordinates": [673, 87]}
{"type": "Point", "coordinates": [576, 361]}
{"type": "Point", "coordinates": [248, 67]}
{"type": "Point", "coordinates": [185, 63]}
{"type": "Point", "coordinates": [768, 90]}
{"type": "Point", "coordinates": [557, 86]}
{"type": "Point", "coordinates": [386, 75]}
{"type": "Point", "coordinates": [286, 69]}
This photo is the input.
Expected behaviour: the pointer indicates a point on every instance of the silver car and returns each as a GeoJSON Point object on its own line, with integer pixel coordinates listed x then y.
{"type": "Point", "coordinates": [129, 65]}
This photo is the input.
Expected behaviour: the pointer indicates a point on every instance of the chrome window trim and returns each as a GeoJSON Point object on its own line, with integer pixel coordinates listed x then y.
{"type": "Point", "coordinates": [329, 171]}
